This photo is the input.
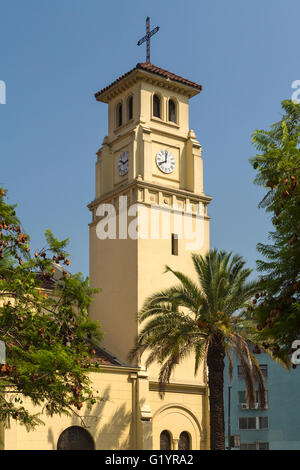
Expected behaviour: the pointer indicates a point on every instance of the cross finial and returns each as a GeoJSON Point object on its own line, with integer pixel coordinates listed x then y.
{"type": "Point", "coordinates": [147, 38]}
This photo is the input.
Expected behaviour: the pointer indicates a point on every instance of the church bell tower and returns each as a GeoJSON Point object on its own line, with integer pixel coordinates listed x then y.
{"type": "Point", "coordinates": [149, 159]}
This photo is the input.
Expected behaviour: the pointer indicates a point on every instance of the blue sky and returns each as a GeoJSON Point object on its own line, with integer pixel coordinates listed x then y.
{"type": "Point", "coordinates": [56, 54]}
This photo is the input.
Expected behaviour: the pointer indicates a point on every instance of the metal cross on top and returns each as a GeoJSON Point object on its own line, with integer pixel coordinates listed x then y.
{"type": "Point", "coordinates": [147, 38]}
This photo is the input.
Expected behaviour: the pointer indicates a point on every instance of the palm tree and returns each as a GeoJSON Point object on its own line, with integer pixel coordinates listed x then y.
{"type": "Point", "coordinates": [209, 320]}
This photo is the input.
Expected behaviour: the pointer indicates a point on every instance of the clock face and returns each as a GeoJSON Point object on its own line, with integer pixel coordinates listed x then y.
{"type": "Point", "coordinates": [165, 161]}
{"type": "Point", "coordinates": [123, 164]}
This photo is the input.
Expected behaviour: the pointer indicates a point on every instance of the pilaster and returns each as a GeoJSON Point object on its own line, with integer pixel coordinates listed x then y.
{"type": "Point", "coordinates": [145, 153]}
{"type": "Point", "coordinates": [194, 167]}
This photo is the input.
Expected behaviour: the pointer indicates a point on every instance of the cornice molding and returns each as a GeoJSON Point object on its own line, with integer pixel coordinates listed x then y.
{"type": "Point", "coordinates": [194, 389]}
{"type": "Point", "coordinates": [115, 369]}
{"type": "Point", "coordinates": [140, 184]}
{"type": "Point", "coordinates": [137, 75]}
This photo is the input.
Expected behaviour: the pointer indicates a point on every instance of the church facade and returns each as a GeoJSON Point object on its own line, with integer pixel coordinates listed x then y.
{"type": "Point", "coordinates": [150, 210]}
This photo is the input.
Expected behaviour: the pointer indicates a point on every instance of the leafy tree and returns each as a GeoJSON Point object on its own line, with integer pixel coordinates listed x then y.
{"type": "Point", "coordinates": [278, 170]}
{"type": "Point", "coordinates": [207, 318]}
{"type": "Point", "coordinates": [45, 326]}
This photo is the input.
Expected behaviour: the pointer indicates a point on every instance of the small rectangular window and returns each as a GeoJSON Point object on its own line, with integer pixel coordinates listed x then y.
{"type": "Point", "coordinates": [251, 423]}
{"type": "Point", "coordinates": [263, 422]}
{"type": "Point", "coordinates": [174, 240]}
{"type": "Point", "coordinates": [247, 423]}
{"type": "Point", "coordinates": [248, 446]}
{"type": "Point", "coordinates": [242, 398]}
{"type": "Point", "coordinates": [264, 369]}
{"type": "Point", "coordinates": [263, 446]}
{"type": "Point", "coordinates": [258, 422]}
{"type": "Point", "coordinates": [255, 446]}
{"type": "Point", "coordinates": [259, 396]}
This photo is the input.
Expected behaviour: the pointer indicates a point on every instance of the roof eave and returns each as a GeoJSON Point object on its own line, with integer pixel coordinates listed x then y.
{"type": "Point", "coordinates": [139, 73]}
{"type": "Point", "coordinates": [104, 95]}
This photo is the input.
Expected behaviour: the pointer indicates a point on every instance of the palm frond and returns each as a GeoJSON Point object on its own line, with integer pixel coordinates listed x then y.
{"type": "Point", "coordinates": [242, 352]}
{"type": "Point", "coordinates": [200, 349]}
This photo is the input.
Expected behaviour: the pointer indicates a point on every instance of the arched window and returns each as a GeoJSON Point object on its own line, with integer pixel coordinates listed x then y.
{"type": "Point", "coordinates": [172, 111]}
{"type": "Point", "coordinates": [156, 106]}
{"type": "Point", "coordinates": [130, 107]}
{"type": "Point", "coordinates": [184, 441]}
{"type": "Point", "coordinates": [165, 441]}
{"type": "Point", "coordinates": [119, 115]}
{"type": "Point", "coordinates": [75, 438]}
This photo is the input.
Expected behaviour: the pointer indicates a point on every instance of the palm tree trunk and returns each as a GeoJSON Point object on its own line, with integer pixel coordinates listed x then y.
{"type": "Point", "coordinates": [215, 364]}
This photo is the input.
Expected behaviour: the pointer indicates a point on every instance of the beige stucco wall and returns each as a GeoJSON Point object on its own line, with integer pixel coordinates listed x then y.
{"type": "Point", "coordinates": [115, 422]}
{"type": "Point", "coordinates": [153, 256]}
{"type": "Point", "coordinates": [110, 421]}
{"type": "Point", "coordinates": [113, 267]}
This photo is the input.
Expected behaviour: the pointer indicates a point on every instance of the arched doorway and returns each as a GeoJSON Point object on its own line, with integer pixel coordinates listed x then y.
{"type": "Point", "coordinates": [75, 438]}
{"type": "Point", "coordinates": [184, 441]}
{"type": "Point", "coordinates": [165, 440]}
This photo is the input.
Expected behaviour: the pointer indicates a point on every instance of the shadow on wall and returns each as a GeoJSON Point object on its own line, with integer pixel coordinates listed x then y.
{"type": "Point", "coordinates": [107, 436]}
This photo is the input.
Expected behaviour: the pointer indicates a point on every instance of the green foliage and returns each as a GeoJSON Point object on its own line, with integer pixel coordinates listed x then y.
{"type": "Point", "coordinates": [278, 171]}
{"type": "Point", "coordinates": [45, 325]}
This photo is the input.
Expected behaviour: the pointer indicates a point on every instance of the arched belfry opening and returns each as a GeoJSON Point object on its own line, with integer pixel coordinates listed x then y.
{"type": "Point", "coordinates": [172, 111]}
{"type": "Point", "coordinates": [156, 106]}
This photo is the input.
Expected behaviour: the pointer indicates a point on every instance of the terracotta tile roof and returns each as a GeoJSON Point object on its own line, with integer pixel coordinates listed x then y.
{"type": "Point", "coordinates": [104, 358]}
{"type": "Point", "coordinates": [152, 69]}
{"type": "Point", "coordinates": [164, 73]}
